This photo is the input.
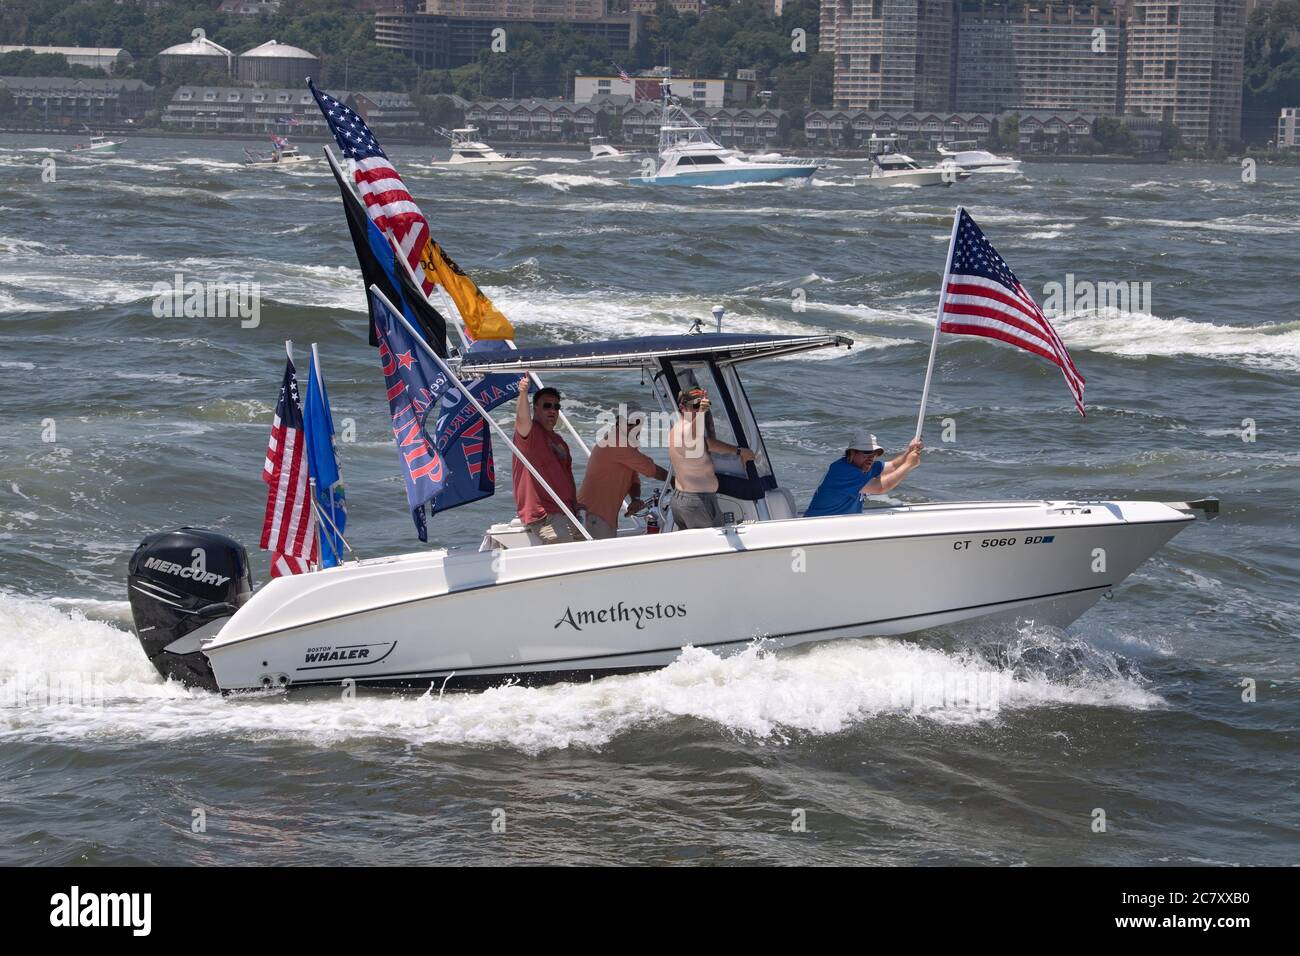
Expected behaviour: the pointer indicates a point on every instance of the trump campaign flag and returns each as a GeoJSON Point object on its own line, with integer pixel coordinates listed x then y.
{"type": "Point", "coordinates": [323, 466]}
{"type": "Point", "coordinates": [463, 436]}
{"type": "Point", "coordinates": [415, 385]}
{"type": "Point", "coordinates": [442, 441]}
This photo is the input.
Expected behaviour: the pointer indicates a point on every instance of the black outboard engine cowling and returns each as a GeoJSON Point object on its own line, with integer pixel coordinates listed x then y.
{"type": "Point", "coordinates": [183, 586]}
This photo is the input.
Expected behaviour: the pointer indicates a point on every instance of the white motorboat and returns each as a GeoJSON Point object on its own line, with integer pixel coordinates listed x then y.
{"type": "Point", "coordinates": [96, 145]}
{"type": "Point", "coordinates": [468, 151]}
{"type": "Point", "coordinates": [601, 148]}
{"type": "Point", "coordinates": [978, 160]}
{"type": "Point", "coordinates": [890, 166]}
{"type": "Point", "coordinates": [689, 156]}
{"type": "Point", "coordinates": [283, 155]}
{"type": "Point", "coordinates": [514, 609]}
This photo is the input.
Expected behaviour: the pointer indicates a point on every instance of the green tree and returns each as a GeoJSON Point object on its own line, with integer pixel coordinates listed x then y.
{"type": "Point", "coordinates": [1113, 136]}
{"type": "Point", "coordinates": [1272, 68]}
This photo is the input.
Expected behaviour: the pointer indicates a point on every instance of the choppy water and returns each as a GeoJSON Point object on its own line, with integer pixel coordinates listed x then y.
{"type": "Point", "coordinates": [1136, 710]}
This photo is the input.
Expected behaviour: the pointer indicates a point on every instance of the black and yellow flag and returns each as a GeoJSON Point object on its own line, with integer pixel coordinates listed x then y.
{"type": "Point", "coordinates": [483, 320]}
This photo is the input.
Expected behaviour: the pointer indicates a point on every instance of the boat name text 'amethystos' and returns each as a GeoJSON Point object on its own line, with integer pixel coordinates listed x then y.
{"type": "Point", "coordinates": [620, 612]}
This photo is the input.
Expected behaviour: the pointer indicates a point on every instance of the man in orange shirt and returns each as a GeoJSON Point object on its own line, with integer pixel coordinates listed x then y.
{"type": "Point", "coordinates": [613, 473]}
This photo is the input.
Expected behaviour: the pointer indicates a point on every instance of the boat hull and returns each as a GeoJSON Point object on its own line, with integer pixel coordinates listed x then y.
{"type": "Point", "coordinates": [919, 177]}
{"type": "Point", "coordinates": [728, 176]}
{"type": "Point", "coordinates": [595, 608]}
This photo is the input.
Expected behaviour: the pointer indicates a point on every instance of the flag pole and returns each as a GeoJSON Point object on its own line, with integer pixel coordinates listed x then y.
{"type": "Point", "coordinates": [469, 396]}
{"type": "Point", "coordinates": [455, 313]}
{"type": "Point", "coordinates": [320, 384]}
{"type": "Point", "coordinates": [320, 514]}
{"type": "Point", "coordinates": [938, 321]}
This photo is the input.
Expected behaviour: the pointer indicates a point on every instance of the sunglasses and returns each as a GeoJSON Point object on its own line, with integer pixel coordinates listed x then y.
{"type": "Point", "coordinates": [551, 406]}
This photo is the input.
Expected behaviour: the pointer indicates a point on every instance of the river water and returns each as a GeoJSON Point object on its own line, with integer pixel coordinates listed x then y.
{"type": "Point", "coordinates": [1172, 709]}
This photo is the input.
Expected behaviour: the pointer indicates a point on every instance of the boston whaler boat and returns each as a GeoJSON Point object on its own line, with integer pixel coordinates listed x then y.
{"type": "Point", "coordinates": [467, 150]}
{"type": "Point", "coordinates": [517, 609]}
{"type": "Point", "coordinates": [689, 156]}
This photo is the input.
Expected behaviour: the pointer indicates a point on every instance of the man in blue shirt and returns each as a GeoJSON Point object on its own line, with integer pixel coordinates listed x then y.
{"type": "Point", "coordinates": [862, 471]}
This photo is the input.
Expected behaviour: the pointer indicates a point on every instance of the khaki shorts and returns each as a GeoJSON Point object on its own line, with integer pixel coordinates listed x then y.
{"type": "Point", "coordinates": [599, 528]}
{"type": "Point", "coordinates": [695, 509]}
{"type": "Point", "coordinates": [555, 529]}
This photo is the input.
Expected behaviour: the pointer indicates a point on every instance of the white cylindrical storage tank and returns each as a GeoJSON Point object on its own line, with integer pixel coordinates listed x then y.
{"type": "Point", "coordinates": [277, 64]}
{"type": "Point", "coordinates": [199, 52]}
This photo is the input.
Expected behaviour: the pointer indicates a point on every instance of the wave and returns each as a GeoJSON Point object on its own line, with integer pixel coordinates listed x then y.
{"type": "Point", "coordinates": [1250, 224]}
{"type": "Point", "coordinates": [64, 676]}
{"type": "Point", "coordinates": [563, 182]}
{"type": "Point", "coordinates": [1141, 335]}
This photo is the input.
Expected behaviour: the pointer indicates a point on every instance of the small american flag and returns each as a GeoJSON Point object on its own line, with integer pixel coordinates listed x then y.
{"type": "Point", "coordinates": [982, 296]}
{"type": "Point", "coordinates": [622, 74]}
{"type": "Point", "coordinates": [388, 203]}
{"type": "Point", "coordinates": [289, 528]}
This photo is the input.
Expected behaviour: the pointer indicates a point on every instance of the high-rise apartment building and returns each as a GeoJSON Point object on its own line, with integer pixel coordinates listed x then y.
{"type": "Point", "coordinates": [519, 9]}
{"type": "Point", "coordinates": [1184, 65]}
{"type": "Point", "coordinates": [1049, 59]}
{"type": "Point", "coordinates": [890, 54]}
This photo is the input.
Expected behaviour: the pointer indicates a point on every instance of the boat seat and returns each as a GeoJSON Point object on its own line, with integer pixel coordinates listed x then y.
{"type": "Point", "coordinates": [780, 504]}
{"type": "Point", "coordinates": [513, 535]}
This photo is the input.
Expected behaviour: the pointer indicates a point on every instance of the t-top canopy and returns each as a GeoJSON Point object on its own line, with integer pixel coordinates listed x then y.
{"type": "Point", "coordinates": [724, 348]}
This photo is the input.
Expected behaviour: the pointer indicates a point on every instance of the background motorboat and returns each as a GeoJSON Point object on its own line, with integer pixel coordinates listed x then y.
{"type": "Point", "coordinates": [282, 156]}
{"type": "Point", "coordinates": [601, 148]}
{"type": "Point", "coordinates": [468, 151]}
{"type": "Point", "coordinates": [96, 145]}
{"type": "Point", "coordinates": [514, 609]}
{"type": "Point", "coordinates": [979, 160]}
{"type": "Point", "coordinates": [690, 156]}
{"type": "Point", "coordinates": [890, 166]}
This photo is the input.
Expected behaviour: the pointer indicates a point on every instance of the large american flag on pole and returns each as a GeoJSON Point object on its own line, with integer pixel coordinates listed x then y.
{"type": "Point", "coordinates": [982, 296]}
{"type": "Point", "coordinates": [289, 528]}
{"type": "Point", "coordinates": [388, 202]}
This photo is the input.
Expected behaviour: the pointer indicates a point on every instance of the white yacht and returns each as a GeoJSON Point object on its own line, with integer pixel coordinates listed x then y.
{"type": "Point", "coordinates": [966, 156]}
{"type": "Point", "coordinates": [468, 151]}
{"type": "Point", "coordinates": [890, 166]}
{"type": "Point", "coordinates": [517, 610]}
{"type": "Point", "coordinates": [689, 156]}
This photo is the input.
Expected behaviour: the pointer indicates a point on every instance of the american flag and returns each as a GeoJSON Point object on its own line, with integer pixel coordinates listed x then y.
{"type": "Point", "coordinates": [622, 74]}
{"type": "Point", "coordinates": [982, 296]}
{"type": "Point", "coordinates": [388, 203]}
{"type": "Point", "coordinates": [289, 528]}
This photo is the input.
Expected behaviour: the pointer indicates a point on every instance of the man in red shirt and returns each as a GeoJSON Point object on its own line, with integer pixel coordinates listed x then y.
{"type": "Point", "coordinates": [536, 438]}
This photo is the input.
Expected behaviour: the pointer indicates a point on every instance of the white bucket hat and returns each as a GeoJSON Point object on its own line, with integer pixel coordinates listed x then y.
{"type": "Point", "coordinates": [863, 440]}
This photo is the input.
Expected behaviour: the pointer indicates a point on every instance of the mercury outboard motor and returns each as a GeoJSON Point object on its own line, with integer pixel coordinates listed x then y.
{"type": "Point", "coordinates": [184, 585]}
